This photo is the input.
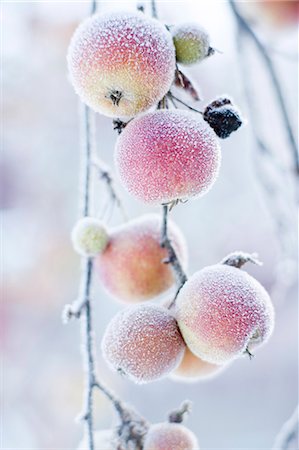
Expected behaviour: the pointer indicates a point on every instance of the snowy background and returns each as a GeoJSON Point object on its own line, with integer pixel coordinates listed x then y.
{"type": "Point", "coordinates": [42, 374]}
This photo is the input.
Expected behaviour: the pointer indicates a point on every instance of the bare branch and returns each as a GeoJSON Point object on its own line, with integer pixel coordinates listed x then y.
{"type": "Point", "coordinates": [243, 24]}
{"type": "Point", "coordinates": [105, 175]}
{"type": "Point", "coordinates": [288, 434]}
{"type": "Point", "coordinates": [178, 270]}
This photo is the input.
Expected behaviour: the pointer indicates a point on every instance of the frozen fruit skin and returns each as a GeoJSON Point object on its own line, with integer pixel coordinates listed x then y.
{"type": "Point", "coordinates": [132, 269]}
{"type": "Point", "coordinates": [143, 342]}
{"type": "Point", "coordinates": [123, 54]}
{"type": "Point", "coordinates": [192, 43]}
{"type": "Point", "coordinates": [167, 155]}
{"type": "Point", "coordinates": [193, 368]}
{"type": "Point", "coordinates": [103, 440]}
{"type": "Point", "coordinates": [89, 236]}
{"type": "Point", "coordinates": [170, 436]}
{"type": "Point", "coordinates": [221, 311]}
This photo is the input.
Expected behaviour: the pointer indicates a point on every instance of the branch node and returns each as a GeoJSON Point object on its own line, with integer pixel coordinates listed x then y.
{"type": "Point", "coordinates": [178, 415]}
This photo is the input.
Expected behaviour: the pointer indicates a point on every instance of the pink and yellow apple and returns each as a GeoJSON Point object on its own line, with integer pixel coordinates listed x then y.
{"type": "Point", "coordinates": [121, 64]}
{"type": "Point", "coordinates": [131, 267]}
{"type": "Point", "coordinates": [143, 342]}
{"type": "Point", "coordinates": [222, 311]}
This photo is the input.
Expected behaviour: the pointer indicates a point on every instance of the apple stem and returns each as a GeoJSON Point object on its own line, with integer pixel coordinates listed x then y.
{"type": "Point", "coordinates": [172, 256]}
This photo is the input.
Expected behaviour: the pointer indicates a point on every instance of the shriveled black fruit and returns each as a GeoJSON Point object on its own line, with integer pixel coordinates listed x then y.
{"type": "Point", "coordinates": [223, 117]}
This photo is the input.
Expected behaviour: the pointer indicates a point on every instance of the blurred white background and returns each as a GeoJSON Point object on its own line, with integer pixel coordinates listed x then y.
{"type": "Point", "coordinates": [42, 376]}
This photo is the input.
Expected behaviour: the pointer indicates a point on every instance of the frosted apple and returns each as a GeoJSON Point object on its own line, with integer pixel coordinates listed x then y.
{"type": "Point", "coordinates": [121, 64]}
{"type": "Point", "coordinates": [167, 155]}
{"type": "Point", "coordinates": [192, 43]}
{"type": "Point", "coordinates": [103, 440]}
{"type": "Point", "coordinates": [222, 311]}
{"type": "Point", "coordinates": [131, 268]}
{"type": "Point", "coordinates": [143, 342]}
{"type": "Point", "coordinates": [170, 436]}
{"type": "Point", "coordinates": [193, 368]}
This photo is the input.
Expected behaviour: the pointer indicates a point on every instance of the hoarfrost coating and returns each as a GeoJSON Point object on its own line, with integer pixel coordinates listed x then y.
{"type": "Point", "coordinates": [143, 342]}
{"type": "Point", "coordinates": [167, 155]}
{"type": "Point", "coordinates": [121, 64]}
{"type": "Point", "coordinates": [222, 311]}
{"type": "Point", "coordinates": [174, 436]}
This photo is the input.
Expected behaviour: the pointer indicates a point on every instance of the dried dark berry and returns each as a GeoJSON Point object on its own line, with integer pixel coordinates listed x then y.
{"type": "Point", "coordinates": [119, 125]}
{"type": "Point", "coordinates": [223, 117]}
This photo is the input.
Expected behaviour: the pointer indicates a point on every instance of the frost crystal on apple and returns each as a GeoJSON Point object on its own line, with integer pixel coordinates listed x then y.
{"type": "Point", "coordinates": [121, 64]}
{"type": "Point", "coordinates": [222, 311]}
{"type": "Point", "coordinates": [162, 436]}
{"type": "Point", "coordinates": [167, 155]}
{"type": "Point", "coordinates": [143, 342]}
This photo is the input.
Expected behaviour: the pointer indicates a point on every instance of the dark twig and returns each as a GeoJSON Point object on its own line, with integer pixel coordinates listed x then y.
{"type": "Point", "coordinates": [93, 7]}
{"type": "Point", "coordinates": [173, 97]}
{"type": "Point", "coordinates": [154, 9]}
{"type": "Point", "coordinates": [172, 256]}
{"type": "Point", "coordinates": [243, 24]}
{"type": "Point", "coordinates": [288, 433]}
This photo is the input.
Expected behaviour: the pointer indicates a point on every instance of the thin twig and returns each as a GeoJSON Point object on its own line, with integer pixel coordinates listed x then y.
{"type": "Point", "coordinates": [276, 85]}
{"type": "Point", "coordinates": [288, 433]}
{"type": "Point", "coordinates": [173, 97]}
{"type": "Point", "coordinates": [172, 256]}
{"type": "Point", "coordinates": [105, 175]}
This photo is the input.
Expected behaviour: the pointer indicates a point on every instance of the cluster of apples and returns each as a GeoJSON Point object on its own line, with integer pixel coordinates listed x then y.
{"type": "Point", "coordinates": [220, 313]}
{"type": "Point", "coordinates": [122, 65]}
